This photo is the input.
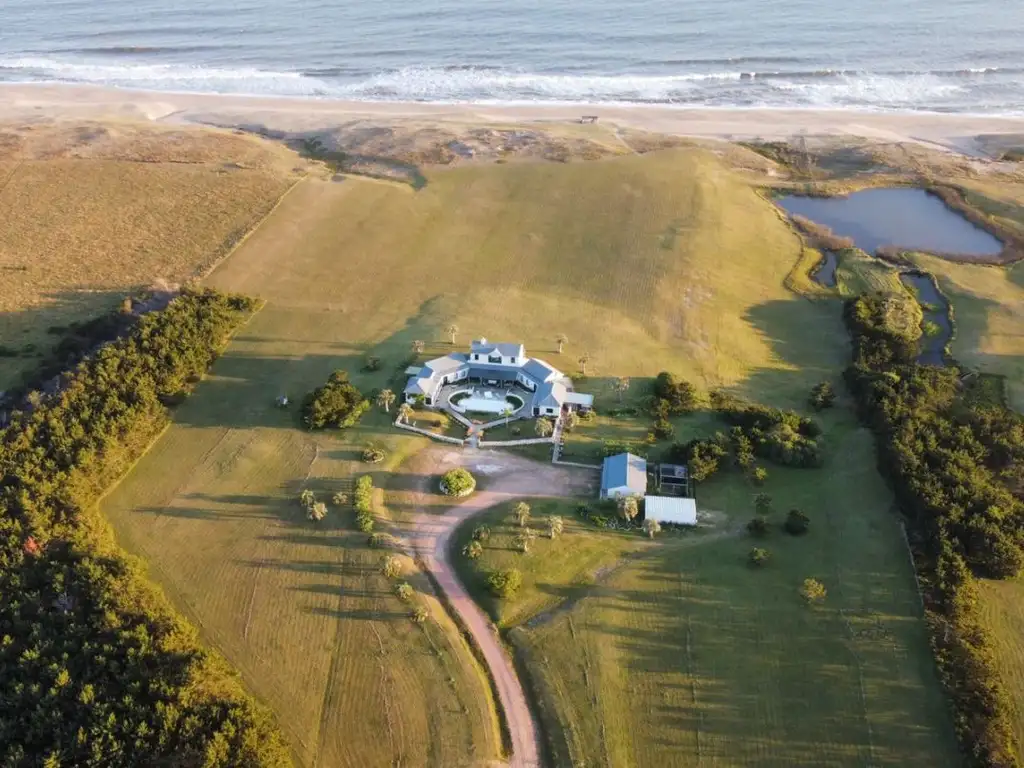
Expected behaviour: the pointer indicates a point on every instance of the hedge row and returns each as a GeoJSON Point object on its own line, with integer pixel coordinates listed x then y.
{"type": "Point", "coordinates": [96, 668]}
{"type": "Point", "coordinates": [947, 461]}
{"type": "Point", "coordinates": [362, 500]}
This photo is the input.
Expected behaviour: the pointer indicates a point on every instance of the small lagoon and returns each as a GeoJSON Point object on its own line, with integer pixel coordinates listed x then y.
{"type": "Point", "coordinates": [904, 217]}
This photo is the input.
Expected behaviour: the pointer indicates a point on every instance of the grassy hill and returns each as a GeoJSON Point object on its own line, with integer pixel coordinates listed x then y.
{"type": "Point", "coordinates": [646, 262]}
{"type": "Point", "coordinates": [91, 213]}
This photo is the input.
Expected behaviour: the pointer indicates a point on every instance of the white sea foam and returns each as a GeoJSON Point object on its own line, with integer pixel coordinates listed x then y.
{"type": "Point", "coordinates": [822, 88]}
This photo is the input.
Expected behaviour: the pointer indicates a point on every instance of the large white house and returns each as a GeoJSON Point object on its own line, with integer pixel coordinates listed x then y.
{"type": "Point", "coordinates": [498, 365]}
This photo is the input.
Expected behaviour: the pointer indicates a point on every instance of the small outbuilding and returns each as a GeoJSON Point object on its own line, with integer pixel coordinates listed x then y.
{"type": "Point", "coordinates": [623, 475]}
{"type": "Point", "coordinates": [671, 509]}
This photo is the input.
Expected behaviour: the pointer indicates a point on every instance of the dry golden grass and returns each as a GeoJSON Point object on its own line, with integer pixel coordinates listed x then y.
{"type": "Point", "coordinates": [90, 214]}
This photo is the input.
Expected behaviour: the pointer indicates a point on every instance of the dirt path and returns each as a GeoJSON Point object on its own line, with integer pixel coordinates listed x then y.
{"type": "Point", "coordinates": [501, 477]}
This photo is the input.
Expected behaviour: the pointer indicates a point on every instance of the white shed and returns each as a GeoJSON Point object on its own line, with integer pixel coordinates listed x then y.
{"type": "Point", "coordinates": [671, 509]}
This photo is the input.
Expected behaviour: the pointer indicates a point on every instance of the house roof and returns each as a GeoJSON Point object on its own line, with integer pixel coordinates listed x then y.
{"type": "Point", "coordinates": [550, 394]}
{"type": "Point", "coordinates": [447, 364]}
{"type": "Point", "coordinates": [505, 349]}
{"type": "Point", "coordinates": [624, 470]}
{"type": "Point", "coordinates": [578, 398]}
{"type": "Point", "coordinates": [539, 370]}
{"type": "Point", "coordinates": [420, 386]}
{"type": "Point", "coordinates": [671, 509]}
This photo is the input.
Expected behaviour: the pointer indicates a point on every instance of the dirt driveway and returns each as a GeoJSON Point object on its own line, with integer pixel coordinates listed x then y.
{"type": "Point", "coordinates": [501, 477]}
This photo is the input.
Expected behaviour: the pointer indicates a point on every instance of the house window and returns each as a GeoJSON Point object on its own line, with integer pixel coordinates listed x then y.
{"type": "Point", "coordinates": [476, 357]}
{"type": "Point", "coordinates": [513, 359]}
{"type": "Point", "coordinates": [494, 359]}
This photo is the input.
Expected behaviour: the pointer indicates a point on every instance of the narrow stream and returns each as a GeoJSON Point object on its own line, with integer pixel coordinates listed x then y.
{"type": "Point", "coordinates": [936, 317]}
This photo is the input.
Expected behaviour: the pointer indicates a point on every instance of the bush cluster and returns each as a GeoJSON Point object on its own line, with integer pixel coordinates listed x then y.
{"type": "Point", "coordinates": [362, 500]}
{"type": "Point", "coordinates": [672, 397]}
{"type": "Point", "coordinates": [948, 461]}
{"type": "Point", "coordinates": [336, 404]}
{"type": "Point", "coordinates": [457, 482]}
{"type": "Point", "coordinates": [783, 437]}
{"type": "Point", "coordinates": [97, 667]}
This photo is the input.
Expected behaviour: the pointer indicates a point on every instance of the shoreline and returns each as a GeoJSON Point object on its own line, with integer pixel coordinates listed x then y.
{"type": "Point", "coordinates": [289, 114]}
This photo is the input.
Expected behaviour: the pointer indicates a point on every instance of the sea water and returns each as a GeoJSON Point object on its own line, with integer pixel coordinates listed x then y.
{"type": "Point", "coordinates": [916, 55]}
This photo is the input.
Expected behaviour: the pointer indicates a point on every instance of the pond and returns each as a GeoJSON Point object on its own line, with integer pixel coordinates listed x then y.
{"type": "Point", "coordinates": [937, 325]}
{"type": "Point", "coordinates": [904, 217]}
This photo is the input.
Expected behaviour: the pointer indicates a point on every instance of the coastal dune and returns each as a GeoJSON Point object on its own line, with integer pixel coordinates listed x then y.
{"type": "Point", "coordinates": [969, 134]}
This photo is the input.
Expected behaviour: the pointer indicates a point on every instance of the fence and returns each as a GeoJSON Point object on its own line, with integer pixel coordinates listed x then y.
{"type": "Point", "coordinates": [431, 435]}
{"type": "Point", "coordinates": [511, 443]}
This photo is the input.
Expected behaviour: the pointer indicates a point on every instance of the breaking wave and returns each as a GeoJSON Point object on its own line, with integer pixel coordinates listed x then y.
{"type": "Point", "coordinates": [994, 89]}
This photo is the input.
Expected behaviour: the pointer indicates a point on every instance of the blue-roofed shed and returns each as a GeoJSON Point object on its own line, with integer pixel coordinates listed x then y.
{"type": "Point", "coordinates": [623, 475]}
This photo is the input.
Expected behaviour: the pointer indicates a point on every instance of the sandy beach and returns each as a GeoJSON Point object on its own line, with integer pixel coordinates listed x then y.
{"type": "Point", "coordinates": [963, 133]}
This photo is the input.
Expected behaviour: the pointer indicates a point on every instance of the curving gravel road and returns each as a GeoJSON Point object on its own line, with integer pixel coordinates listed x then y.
{"type": "Point", "coordinates": [501, 477]}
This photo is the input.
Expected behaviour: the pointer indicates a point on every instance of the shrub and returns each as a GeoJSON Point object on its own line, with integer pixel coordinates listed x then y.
{"type": "Point", "coordinates": [374, 454]}
{"type": "Point", "coordinates": [317, 512]}
{"type": "Point", "coordinates": [758, 527]}
{"type": "Point", "coordinates": [420, 614]}
{"type": "Point", "coordinates": [363, 503]}
{"type": "Point", "coordinates": [481, 533]}
{"type": "Point", "coordinates": [339, 499]}
{"type": "Point", "coordinates": [763, 503]}
{"type": "Point", "coordinates": [759, 475]}
{"type": "Point", "coordinates": [797, 523]}
{"type": "Point", "coordinates": [758, 557]}
{"type": "Point", "coordinates": [702, 457]}
{"type": "Point", "coordinates": [371, 363]}
{"type": "Point", "coordinates": [380, 540]}
{"type": "Point", "coordinates": [307, 499]}
{"type": "Point", "coordinates": [337, 403]}
{"type": "Point", "coordinates": [457, 482]}
{"type": "Point", "coordinates": [629, 507]}
{"type": "Point", "coordinates": [680, 396]}
{"type": "Point", "coordinates": [473, 550]}
{"type": "Point", "coordinates": [404, 591]}
{"type": "Point", "coordinates": [663, 429]}
{"type": "Point", "coordinates": [390, 567]}
{"type": "Point", "coordinates": [813, 591]}
{"type": "Point", "coordinates": [822, 396]}
{"type": "Point", "coordinates": [505, 583]}
{"type": "Point", "coordinates": [652, 528]}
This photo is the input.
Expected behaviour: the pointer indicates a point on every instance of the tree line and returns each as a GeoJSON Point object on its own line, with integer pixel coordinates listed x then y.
{"type": "Point", "coordinates": [953, 462]}
{"type": "Point", "coordinates": [97, 669]}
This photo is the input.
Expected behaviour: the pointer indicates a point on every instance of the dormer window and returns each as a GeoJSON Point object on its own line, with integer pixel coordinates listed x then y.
{"type": "Point", "coordinates": [494, 359]}
{"type": "Point", "coordinates": [476, 357]}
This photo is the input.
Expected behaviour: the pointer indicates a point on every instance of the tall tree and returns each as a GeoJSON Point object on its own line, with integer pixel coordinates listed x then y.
{"type": "Point", "coordinates": [452, 330]}
{"type": "Point", "coordinates": [621, 386]}
{"type": "Point", "coordinates": [522, 513]}
{"type": "Point", "coordinates": [555, 526]}
{"type": "Point", "coordinates": [584, 360]}
{"type": "Point", "coordinates": [543, 427]}
{"type": "Point", "coordinates": [385, 399]}
{"type": "Point", "coordinates": [405, 412]}
{"type": "Point", "coordinates": [629, 508]}
{"type": "Point", "coordinates": [562, 340]}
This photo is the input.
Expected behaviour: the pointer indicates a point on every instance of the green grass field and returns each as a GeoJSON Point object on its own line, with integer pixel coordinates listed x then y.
{"type": "Point", "coordinates": [689, 656]}
{"type": "Point", "coordinates": [666, 261]}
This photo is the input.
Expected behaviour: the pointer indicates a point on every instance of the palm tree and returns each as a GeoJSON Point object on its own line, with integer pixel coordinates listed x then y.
{"type": "Point", "coordinates": [543, 427]}
{"type": "Point", "coordinates": [452, 330]}
{"type": "Point", "coordinates": [583, 360]}
{"type": "Point", "coordinates": [621, 386]}
{"type": "Point", "coordinates": [522, 513]}
{"type": "Point", "coordinates": [562, 340]}
{"type": "Point", "coordinates": [418, 346]}
{"type": "Point", "coordinates": [555, 526]}
{"type": "Point", "coordinates": [507, 413]}
{"type": "Point", "coordinates": [390, 566]}
{"type": "Point", "coordinates": [522, 541]}
{"type": "Point", "coordinates": [385, 399]}
{"type": "Point", "coordinates": [405, 412]}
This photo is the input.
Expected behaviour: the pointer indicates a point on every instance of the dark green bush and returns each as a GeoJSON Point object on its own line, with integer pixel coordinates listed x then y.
{"type": "Point", "coordinates": [797, 523]}
{"type": "Point", "coordinates": [336, 404]}
{"type": "Point", "coordinates": [505, 584]}
{"type": "Point", "coordinates": [679, 397]}
{"type": "Point", "coordinates": [362, 501]}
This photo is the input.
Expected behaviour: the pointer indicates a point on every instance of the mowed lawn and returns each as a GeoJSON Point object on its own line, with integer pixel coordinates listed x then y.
{"type": "Point", "coordinates": [1002, 604]}
{"type": "Point", "coordinates": [646, 263]}
{"type": "Point", "coordinates": [688, 656]}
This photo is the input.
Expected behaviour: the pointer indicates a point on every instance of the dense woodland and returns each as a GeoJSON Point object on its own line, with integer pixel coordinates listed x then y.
{"type": "Point", "coordinates": [98, 670]}
{"type": "Point", "coordinates": [955, 462]}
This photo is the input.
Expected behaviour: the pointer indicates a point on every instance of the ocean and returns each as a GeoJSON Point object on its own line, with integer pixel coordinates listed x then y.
{"type": "Point", "coordinates": [916, 55]}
